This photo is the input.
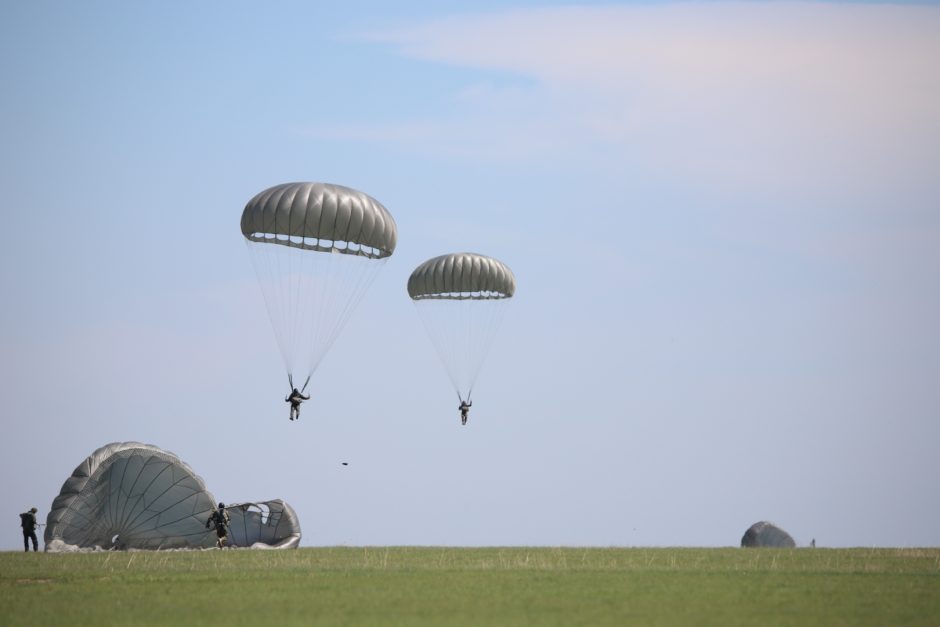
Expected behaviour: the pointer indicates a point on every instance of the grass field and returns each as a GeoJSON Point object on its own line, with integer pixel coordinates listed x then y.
{"type": "Point", "coordinates": [490, 586]}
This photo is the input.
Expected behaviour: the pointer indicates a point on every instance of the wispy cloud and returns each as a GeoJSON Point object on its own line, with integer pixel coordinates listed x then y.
{"type": "Point", "coordinates": [789, 92]}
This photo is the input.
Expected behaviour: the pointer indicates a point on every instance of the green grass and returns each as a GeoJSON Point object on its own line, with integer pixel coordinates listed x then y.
{"type": "Point", "coordinates": [492, 586]}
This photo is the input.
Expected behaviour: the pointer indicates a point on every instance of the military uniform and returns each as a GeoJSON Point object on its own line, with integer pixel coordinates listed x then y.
{"type": "Point", "coordinates": [28, 523]}
{"type": "Point", "coordinates": [221, 520]}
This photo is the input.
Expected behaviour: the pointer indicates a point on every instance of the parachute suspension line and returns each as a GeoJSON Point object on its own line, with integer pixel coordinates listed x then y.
{"type": "Point", "coordinates": [434, 315]}
{"type": "Point", "coordinates": [294, 298]}
{"type": "Point", "coordinates": [346, 280]}
{"type": "Point", "coordinates": [268, 263]}
{"type": "Point", "coordinates": [305, 383]}
{"type": "Point", "coordinates": [309, 297]}
{"type": "Point", "coordinates": [462, 331]}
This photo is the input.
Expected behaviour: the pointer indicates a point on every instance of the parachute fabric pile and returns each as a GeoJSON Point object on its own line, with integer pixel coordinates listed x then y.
{"type": "Point", "coordinates": [128, 495]}
{"type": "Point", "coordinates": [767, 534]}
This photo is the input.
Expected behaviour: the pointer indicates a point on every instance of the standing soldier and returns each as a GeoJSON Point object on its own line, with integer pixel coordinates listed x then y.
{"type": "Point", "coordinates": [28, 523]}
{"type": "Point", "coordinates": [221, 520]}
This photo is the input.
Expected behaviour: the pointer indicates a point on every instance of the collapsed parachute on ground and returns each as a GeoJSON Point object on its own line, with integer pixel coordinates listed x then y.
{"type": "Point", "coordinates": [767, 534]}
{"type": "Point", "coordinates": [264, 525]}
{"type": "Point", "coordinates": [462, 298]}
{"type": "Point", "coordinates": [128, 495]}
{"type": "Point", "coordinates": [316, 248]}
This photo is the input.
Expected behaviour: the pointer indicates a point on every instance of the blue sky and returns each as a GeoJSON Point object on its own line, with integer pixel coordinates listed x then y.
{"type": "Point", "coordinates": [722, 218]}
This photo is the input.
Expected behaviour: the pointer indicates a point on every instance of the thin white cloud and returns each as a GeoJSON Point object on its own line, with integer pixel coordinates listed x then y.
{"type": "Point", "coordinates": [789, 92]}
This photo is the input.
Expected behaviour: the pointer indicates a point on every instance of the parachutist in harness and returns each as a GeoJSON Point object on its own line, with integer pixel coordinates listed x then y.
{"type": "Point", "coordinates": [295, 398]}
{"type": "Point", "coordinates": [221, 520]}
{"type": "Point", "coordinates": [464, 409]}
{"type": "Point", "coordinates": [28, 523]}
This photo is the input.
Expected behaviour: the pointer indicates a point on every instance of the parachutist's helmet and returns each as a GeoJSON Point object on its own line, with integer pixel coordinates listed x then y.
{"type": "Point", "coordinates": [221, 505]}
{"type": "Point", "coordinates": [294, 391]}
{"type": "Point", "coordinates": [34, 510]}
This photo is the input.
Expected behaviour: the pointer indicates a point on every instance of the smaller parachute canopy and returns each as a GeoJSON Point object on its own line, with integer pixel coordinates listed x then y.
{"type": "Point", "coordinates": [321, 217]}
{"type": "Point", "coordinates": [462, 276]}
{"type": "Point", "coordinates": [264, 525]}
{"type": "Point", "coordinates": [767, 534]}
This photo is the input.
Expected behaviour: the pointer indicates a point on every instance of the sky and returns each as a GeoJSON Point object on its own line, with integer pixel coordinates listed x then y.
{"type": "Point", "coordinates": [723, 220]}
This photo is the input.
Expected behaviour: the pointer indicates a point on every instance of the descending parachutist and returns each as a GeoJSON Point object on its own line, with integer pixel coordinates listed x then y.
{"type": "Point", "coordinates": [461, 298]}
{"type": "Point", "coordinates": [316, 248]}
{"type": "Point", "coordinates": [295, 398]}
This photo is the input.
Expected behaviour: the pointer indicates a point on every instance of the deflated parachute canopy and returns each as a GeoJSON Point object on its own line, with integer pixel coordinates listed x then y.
{"type": "Point", "coordinates": [462, 298]}
{"type": "Point", "coordinates": [128, 495]}
{"type": "Point", "coordinates": [767, 534]}
{"type": "Point", "coordinates": [264, 525]}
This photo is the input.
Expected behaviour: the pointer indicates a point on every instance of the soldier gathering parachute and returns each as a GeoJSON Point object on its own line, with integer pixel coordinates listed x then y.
{"type": "Point", "coordinates": [462, 298]}
{"type": "Point", "coordinates": [128, 495]}
{"type": "Point", "coordinates": [316, 249]}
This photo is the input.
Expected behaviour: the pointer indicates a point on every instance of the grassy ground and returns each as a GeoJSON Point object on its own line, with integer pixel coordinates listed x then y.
{"type": "Point", "coordinates": [493, 586]}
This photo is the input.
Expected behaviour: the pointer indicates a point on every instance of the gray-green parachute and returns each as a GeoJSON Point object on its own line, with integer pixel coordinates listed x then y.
{"type": "Point", "coordinates": [462, 299]}
{"type": "Point", "coordinates": [316, 248]}
{"type": "Point", "coordinates": [129, 495]}
{"type": "Point", "coordinates": [462, 276]}
{"type": "Point", "coordinates": [764, 533]}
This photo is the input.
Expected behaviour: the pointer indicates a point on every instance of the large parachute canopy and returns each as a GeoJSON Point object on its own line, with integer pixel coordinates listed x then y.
{"type": "Point", "coordinates": [316, 248]}
{"type": "Point", "coordinates": [764, 533]}
{"type": "Point", "coordinates": [462, 298]}
{"type": "Point", "coordinates": [128, 495]}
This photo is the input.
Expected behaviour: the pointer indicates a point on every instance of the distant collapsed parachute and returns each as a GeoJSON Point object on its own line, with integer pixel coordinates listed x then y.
{"type": "Point", "coordinates": [462, 298]}
{"type": "Point", "coordinates": [766, 534]}
{"type": "Point", "coordinates": [316, 249]}
{"type": "Point", "coordinates": [128, 495]}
